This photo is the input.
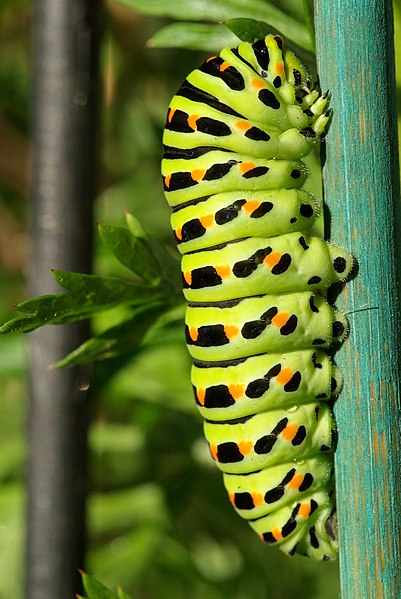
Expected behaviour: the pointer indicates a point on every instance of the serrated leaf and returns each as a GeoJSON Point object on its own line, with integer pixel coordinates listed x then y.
{"type": "Point", "coordinates": [193, 36]}
{"type": "Point", "coordinates": [121, 339]}
{"type": "Point", "coordinates": [248, 30]}
{"type": "Point", "coordinates": [133, 252]}
{"type": "Point", "coordinates": [95, 589]}
{"type": "Point", "coordinates": [221, 10]}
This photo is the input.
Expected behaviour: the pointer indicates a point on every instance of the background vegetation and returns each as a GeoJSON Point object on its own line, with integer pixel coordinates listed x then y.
{"type": "Point", "coordinates": [159, 519]}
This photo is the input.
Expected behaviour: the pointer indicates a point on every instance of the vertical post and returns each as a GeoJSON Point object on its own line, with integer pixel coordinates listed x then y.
{"type": "Point", "coordinates": [65, 56]}
{"type": "Point", "coordinates": [361, 179]}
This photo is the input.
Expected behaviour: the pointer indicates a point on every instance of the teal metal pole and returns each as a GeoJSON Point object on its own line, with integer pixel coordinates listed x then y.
{"type": "Point", "coordinates": [361, 180]}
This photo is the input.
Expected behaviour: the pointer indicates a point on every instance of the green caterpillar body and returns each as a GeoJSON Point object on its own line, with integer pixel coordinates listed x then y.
{"type": "Point", "coordinates": [258, 325]}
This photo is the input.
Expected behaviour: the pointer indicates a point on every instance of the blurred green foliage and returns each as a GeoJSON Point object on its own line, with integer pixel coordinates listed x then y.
{"type": "Point", "coordinates": [159, 519]}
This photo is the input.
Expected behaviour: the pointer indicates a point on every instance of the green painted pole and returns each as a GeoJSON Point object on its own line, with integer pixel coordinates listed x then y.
{"type": "Point", "coordinates": [361, 180]}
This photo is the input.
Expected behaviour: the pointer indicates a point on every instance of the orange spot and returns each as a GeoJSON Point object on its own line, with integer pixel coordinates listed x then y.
{"type": "Point", "coordinates": [171, 114]}
{"type": "Point", "coordinates": [207, 220]}
{"type": "Point", "coordinates": [213, 451]}
{"type": "Point", "coordinates": [258, 83]}
{"type": "Point", "coordinates": [197, 174]}
{"type": "Point", "coordinates": [223, 271]}
{"type": "Point", "coordinates": [192, 118]}
{"type": "Point", "coordinates": [200, 394]}
{"type": "Point", "coordinates": [296, 481]}
{"type": "Point", "coordinates": [279, 68]}
{"type": "Point", "coordinates": [272, 259]}
{"type": "Point", "coordinates": [244, 167]}
{"type": "Point", "coordinates": [304, 510]}
{"type": "Point", "coordinates": [188, 277]}
{"type": "Point", "coordinates": [290, 431]}
{"type": "Point", "coordinates": [243, 125]}
{"type": "Point", "coordinates": [211, 58]}
{"type": "Point", "coordinates": [257, 498]}
{"type": "Point", "coordinates": [231, 331]}
{"type": "Point", "coordinates": [284, 376]}
{"type": "Point", "coordinates": [224, 66]}
{"type": "Point", "coordinates": [280, 319]}
{"type": "Point", "coordinates": [251, 206]}
{"type": "Point", "coordinates": [276, 532]}
{"type": "Point", "coordinates": [178, 234]}
{"type": "Point", "coordinates": [245, 447]}
{"type": "Point", "coordinates": [167, 181]}
{"type": "Point", "coordinates": [232, 498]}
{"type": "Point", "coordinates": [193, 333]}
{"type": "Point", "coordinates": [236, 390]}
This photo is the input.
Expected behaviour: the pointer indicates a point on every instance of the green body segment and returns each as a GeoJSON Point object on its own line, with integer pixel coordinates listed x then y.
{"type": "Point", "coordinates": [258, 325]}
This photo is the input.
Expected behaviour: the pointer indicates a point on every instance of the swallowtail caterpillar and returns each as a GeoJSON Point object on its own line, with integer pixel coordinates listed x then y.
{"type": "Point", "coordinates": [258, 325]}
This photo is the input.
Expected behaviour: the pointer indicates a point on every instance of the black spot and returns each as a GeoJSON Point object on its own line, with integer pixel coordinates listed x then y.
{"type": "Point", "coordinates": [308, 132]}
{"type": "Point", "coordinates": [217, 171]}
{"type": "Point", "coordinates": [178, 122]}
{"type": "Point", "coordinates": [268, 538]}
{"type": "Point", "coordinates": [303, 243]}
{"type": "Point", "coordinates": [269, 99]}
{"type": "Point", "coordinates": [187, 90]}
{"type": "Point", "coordinates": [306, 483]}
{"type": "Point", "coordinates": [288, 477]}
{"type": "Point", "coordinates": [279, 41]}
{"type": "Point", "coordinates": [243, 501]}
{"type": "Point", "coordinates": [293, 550]}
{"type": "Point", "coordinates": [258, 171]}
{"type": "Point", "coordinates": [340, 264]}
{"type": "Point", "coordinates": [261, 210]}
{"type": "Point", "coordinates": [244, 268]}
{"type": "Point", "coordinates": [288, 527]}
{"type": "Point", "coordinates": [313, 538]}
{"type": "Point", "coordinates": [306, 210]}
{"type": "Point", "coordinates": [314, 280]}
{"type": "Point", "coordinates": [261, 53]}
{"type": "Point", "coordinates": [225, 215]}
{"type": "Point", "coordinates": [212, 336]}
{"type": "Point", "coordinates": [257, 134]}
{"type": "Point", "coordinates": [282, 265]}
{"type": "Point", "coordinates": [318, 342]}
{"type": "Point", "coordinates": [192, 229]}
{"type": "Point", "coordinates": [333, 384]}
{"type": "Point", "coordinates": [293, 220]}
{"type": "Point", "coordinates": [205, 277]}
{"type": "Point", "coordinates": [212, 127]}
{"type": "Point", "coordinates": [231, 77]}
{"type": "Point", "coordinates": [296, 173]}
{"type": "Point", "coordinates": [289, 326]}
{"type": "Point", "coordinates": [308, 112]}
{"type": "Point", "coordinates": [269, 314]}
{"type": "Point", "coordinates": [218, 396]}
{"type": "Point", "coordinates": [313, 306]}
{"type": "Point", "coordinates": [257, 388]}
{"type": "Point", "coordinates": [274, 495]}
{"type": "Point", "coordinates": [313, 506]}
{"type": "Point", "coordinates": [300, 436]}
{"type": "Point", "coordinates": [274, 371]}
{"type": "Point", "coordinates": [277, 81]}
{"type": "Point", "coordinates": [314, 361]}
{"type": "Point", "coordinates": [171, 153]}
{"type": "Point", "coordinates": [253, 329]}
{"type": "Point", "coordinates": [293, 383]}
{"type": "Point", "coordinates": [280, 426]}
{"type": "Point", "coordinates": [317, 410]}
{"type": "Point", "coordinates": [261, 254]}
{"type": "Point", "coordinates": [179, 180]}
{"type": "Point", "coordinates": [229, 453]}
{"type": "Point", "coordinates": [265, 444]}
{"type": "Point", "coordinates": [324, 448]}
{"type": "Point", "coordinates": [338, 329]}
{"type": "Point", "coordinates": [297, 77]}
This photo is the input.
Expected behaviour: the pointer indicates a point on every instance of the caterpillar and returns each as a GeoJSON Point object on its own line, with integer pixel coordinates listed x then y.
{"type": "Point", "coordinates": [258, 325]}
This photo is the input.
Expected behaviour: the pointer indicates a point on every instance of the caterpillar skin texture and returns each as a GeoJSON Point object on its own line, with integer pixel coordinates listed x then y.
{"type": "Point", "coordinates": [258, 325]}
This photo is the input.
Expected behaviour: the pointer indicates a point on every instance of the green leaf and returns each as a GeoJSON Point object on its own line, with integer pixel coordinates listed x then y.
{"type": "Point", "coordinates": [134, 252]}
{"type": "Point", "coordinates": [95, 589]}
{"type": "Point", "coordinates": [221, 10]}
{"type": "Point", "coordinates": [248, 30]}
{"type": "Point", "coordinates": [121, 339]}
{"type": "Point", "coordinates": [193, 36]}
{"type": "Point", "coordinates": [121, 594]}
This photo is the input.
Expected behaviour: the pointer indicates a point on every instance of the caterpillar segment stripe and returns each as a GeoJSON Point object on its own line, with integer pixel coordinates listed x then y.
{"type": "Point", "coordinates": [255, 275]}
